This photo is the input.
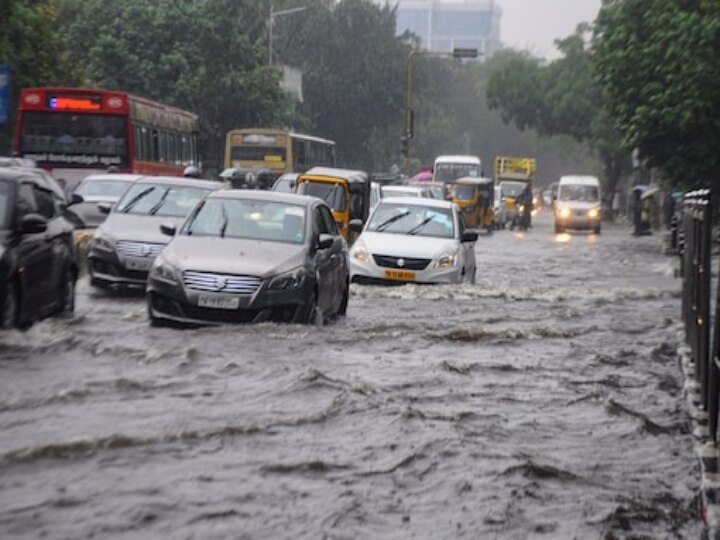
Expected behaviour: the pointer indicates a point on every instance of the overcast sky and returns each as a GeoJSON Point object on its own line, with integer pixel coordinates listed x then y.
{"type": "Point", "coordinates": [535, 24]}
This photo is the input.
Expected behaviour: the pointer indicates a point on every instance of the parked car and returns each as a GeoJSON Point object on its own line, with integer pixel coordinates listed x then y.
{"type": "Point", "coordinates": [410, 240]}
{"type": "Point", "coordinates": [96, 189]}
{"type": "Point", "coordinates": [38, 268]}
{"type": "Point", "coordinates": [125, 245]}
{"type": "Point", "coordinates": [251, 256]}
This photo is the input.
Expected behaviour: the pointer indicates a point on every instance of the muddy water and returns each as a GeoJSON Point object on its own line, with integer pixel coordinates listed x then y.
{"type": "Point", "coordinates": [544, 401]}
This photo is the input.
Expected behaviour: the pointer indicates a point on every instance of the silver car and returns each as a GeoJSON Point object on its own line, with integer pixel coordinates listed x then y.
{"type": "Point", "coordinates": [413, 240]}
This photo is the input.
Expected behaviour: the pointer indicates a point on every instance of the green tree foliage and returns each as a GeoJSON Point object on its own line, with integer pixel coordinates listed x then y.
{"type": "Point", "coordinates": [561, 98]}
{"type": "Point", "coordinates": [32, 49]}
{"type": "Point", "coordinates": [207, 56]}
{"type": "Point", "coordinates": [353, 76]}
{"type": "Point", "coordinates": [659, 64]}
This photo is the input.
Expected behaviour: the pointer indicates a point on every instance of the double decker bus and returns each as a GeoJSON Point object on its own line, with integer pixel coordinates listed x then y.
{"type": "Point", "coordinates": [75, 132]}
{"type": "Point", "coordinates": [281, 151]}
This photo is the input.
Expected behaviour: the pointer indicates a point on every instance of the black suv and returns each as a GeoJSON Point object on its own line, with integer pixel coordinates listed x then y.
{"type": "Point", "coordinates": [38, 263]}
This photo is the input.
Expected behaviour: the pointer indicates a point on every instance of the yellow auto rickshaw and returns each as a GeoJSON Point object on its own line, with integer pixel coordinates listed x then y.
{"type": "Point", "coordinates": [476, 199]}
{"type": "Point", "coordinates": [346, 192]}
{"type": "Point", "coordinates": [510, 190]}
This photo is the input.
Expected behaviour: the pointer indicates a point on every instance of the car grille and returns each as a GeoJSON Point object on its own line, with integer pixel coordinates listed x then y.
{"type": "Point", "coordinates": [387, 261]}
{"type": "Point", "coordinates": [205, 281]}
{"type": "Point", "coordinates": [139, 249]}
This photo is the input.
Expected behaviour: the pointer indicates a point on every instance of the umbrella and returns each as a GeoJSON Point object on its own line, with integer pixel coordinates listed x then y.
{"type": "Point", "coordinates": [423, 176]}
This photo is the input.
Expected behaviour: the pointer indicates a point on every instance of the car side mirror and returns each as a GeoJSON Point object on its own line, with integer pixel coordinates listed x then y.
{"type": "Point", "coordinates": [168, 229]}
{"type": "Point", "coordinates": [75, 198]}
{"type": "Point", "coordinates": [469, 235]}
{"type": "Point", "coordinates": [33, 224]}
{"type": "Point", "coordinates": [104, 208]}
{"type": "Point", "coordinates": [356, 225]}
{"type": "Point", "coordinates": [325, 241]}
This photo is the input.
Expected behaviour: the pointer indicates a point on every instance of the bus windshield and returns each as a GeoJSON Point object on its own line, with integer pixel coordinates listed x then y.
{"type": "Point", "coordinates": [448, 172]}
{"type": "Point", "coordinates": [74, 139]}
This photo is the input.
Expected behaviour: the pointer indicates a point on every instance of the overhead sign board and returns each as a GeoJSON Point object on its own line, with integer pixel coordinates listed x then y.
{"type": "Point", "coordinates": [4, 94]}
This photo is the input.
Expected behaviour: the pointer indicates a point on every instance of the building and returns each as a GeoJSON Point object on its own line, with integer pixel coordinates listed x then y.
{"type": "Point", "coordinates": [444, 25]}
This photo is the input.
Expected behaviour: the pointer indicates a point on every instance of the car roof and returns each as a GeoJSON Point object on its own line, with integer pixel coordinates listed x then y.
{"type": "Point", "coordinates": [113, 176]}
{"type": "Point", "coordinates": [586, 180]}
{"type": "Point", "coordinates": [265, 195]}
{"type": "Point", "coordinates": [180, 181]}
{"type": "Point", "coordinates": [415, 201]}
{"type": "Point", "coordinates": [44, 179]}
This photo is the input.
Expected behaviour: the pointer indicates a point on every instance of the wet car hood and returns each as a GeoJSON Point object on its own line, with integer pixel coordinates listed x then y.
{"type": "Point", "coordinates": [137, 228]}
{"type": "Point", "coordinates": [234, 255]}
{"type": "Point", "coordinates": [403, 245]}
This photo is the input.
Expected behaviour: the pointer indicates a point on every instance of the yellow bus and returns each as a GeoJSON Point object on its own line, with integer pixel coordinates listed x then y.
{"type": "Point", "coordinates": [278, 150]}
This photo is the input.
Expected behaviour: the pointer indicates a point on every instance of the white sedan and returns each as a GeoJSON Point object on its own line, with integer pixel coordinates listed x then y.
{"type": "Point", "coordinates": [413, 240]}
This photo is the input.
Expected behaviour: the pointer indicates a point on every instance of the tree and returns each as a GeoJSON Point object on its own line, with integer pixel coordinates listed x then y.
{"type": "Point", "coordinates": [658, 62]}
{"type": "Point", "coordinates": [562, 98]}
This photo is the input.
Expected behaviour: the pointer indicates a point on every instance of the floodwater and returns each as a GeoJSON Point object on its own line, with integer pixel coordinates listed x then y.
{"type": "Point", "coordinates": [545, 401]}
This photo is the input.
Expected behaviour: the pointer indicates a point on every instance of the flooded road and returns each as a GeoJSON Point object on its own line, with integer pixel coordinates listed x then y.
{"type": "Point", "coordinates": [544, 401]}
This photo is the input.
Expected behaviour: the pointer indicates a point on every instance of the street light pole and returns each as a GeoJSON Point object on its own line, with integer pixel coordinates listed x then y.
{"type": "Point", "coordinates": [271, 20]}
{"type": "Point", "coordinates": [409, 111]}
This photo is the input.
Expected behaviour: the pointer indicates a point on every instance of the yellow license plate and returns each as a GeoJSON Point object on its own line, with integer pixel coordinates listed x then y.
{"type": "Point", "coordinates": [400, 275]}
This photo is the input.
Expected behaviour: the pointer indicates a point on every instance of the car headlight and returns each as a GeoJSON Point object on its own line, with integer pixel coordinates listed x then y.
{"type": "Point", "coordinates": [102, 242]}
{"type": "Point", "coordinates": [594, 213]}
{"type": "Point", "coordinates": [162, 270]}
{"type": "Point", "coordinates": [360, 252]}
{"type": "Point", "coordinates": [446, 260]}
{"type": "Point", "coordinates": [293, 279]}
{"type": "Point", "coordinates": [564, 212]}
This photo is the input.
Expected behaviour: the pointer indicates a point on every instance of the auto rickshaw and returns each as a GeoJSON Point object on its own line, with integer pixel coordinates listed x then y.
{"type": "Point", "coordinates": [476, 199]}
{"type": "Point", "coordinates": [346, 192]}
{"type": "Point", "coordinates": [510, 190]}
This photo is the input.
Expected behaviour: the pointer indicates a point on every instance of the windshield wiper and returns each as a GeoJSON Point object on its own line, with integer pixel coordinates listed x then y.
{"type": "Point", "coordinates": [136, 199]}
{"type": "Point", "coordinates": [416, 228]}
{"type": "Point", "coordinates": [385, 224]}
{"type": "Point", "coordinates": [159, 204]}
{"type": "Point", "coordinates": [225, 221]}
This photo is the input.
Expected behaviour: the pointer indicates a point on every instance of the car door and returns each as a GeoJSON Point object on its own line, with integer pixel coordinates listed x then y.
{"type": "Point", "coordinates": [35, 256]}
{"type": "Point", "coordinates": [324, 263]}
{"type": "Point", "coordinates": [338, 256]}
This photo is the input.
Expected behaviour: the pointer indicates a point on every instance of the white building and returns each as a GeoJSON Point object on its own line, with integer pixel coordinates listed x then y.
{"type": "Point", "coordinates": [444, 25]}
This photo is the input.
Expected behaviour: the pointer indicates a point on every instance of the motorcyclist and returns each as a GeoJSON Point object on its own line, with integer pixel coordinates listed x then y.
{"type": "Point", "coordinates": [525, 202]}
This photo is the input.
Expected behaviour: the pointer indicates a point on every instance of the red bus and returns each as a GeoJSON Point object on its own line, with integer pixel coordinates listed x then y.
{"type": "Point", "coordinates": [75, 132]}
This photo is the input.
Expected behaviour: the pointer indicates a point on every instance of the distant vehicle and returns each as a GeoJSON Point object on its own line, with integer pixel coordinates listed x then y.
{"type": "Point", "coordinates": [286, 183]}
{"type": "Point", "coordinates": [96, 189]}
{"type": "Point", "coordinates": [75, 132]}
{"type": "Point", "coordinates": [251, 256]}
{"type": "Point", "coordinates": [413, 240]}
{"type": "Point", "coordinates": [281, 151]}
{"type": "Point", "coordinates": [375, 194]}
{"type": "Point", "coordinates": [512, 175]}
{"type": "Point", "coordinates": [500, 212]}
{"type": "Point", "coordinates": [125, 245]}
{"type": "Point", "coordinates": [578, 204]}
{"type": "Point", "coordinates": [437, 189]}
{"type": "Point", "coordinates": [475, 197]}
{"type": "Point", "coordinates": [38, 264]}
{"type": "Point", "coordinates": [241, 178]}
{"type": "Point", "coordinates": [447, 169]}
{"type": "Point", "coordinates": [406, 191]}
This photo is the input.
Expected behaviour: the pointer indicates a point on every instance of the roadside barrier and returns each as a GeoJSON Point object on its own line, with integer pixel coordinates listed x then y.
{"type": "Point", "coordinates": [695, 248]}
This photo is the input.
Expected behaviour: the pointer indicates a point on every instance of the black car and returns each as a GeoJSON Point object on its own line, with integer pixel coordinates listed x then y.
{"type": "Point", "coordinates": [126, 243]}
{"type": "Point", "coordinates": [251, 256]}
{"type": "Point", "coordinates": [38, 264]}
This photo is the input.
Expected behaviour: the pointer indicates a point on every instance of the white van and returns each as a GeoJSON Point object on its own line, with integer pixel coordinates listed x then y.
{"type": "Point", "coordinates": [578, 204]}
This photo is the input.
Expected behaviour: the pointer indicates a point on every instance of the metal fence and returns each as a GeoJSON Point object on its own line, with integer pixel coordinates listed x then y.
{"type": "Point", "coordinates": [696, 242]}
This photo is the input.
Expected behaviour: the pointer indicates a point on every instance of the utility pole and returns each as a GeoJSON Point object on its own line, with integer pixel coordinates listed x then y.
{"type": "Point", "coordinates": [271, 22]}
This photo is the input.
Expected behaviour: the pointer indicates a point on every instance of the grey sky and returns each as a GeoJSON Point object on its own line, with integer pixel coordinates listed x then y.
{"type": "Point", "coordinates": [535, 24]}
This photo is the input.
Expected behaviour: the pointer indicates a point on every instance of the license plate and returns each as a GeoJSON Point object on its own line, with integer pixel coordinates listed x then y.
{"type": "Point", "coordinates": [400, 275]}
{"type": "Point", "coordinates": [132, 263]}
{"type": "Point", "coordinates": [218, 302]}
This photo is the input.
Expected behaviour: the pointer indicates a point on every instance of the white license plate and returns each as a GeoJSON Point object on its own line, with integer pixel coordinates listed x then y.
{"type": "Point", "coordinates": [218, 302]}
{"type": "Point", "coordinates": [132, 263]}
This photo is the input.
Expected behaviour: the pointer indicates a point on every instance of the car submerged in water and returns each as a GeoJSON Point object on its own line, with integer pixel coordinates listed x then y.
{"type": "Point", "coordinates": [251, 256]}
{"type": "Point", "coordinates": [126, 244]}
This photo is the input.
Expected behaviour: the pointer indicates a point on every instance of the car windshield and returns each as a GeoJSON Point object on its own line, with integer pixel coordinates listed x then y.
{"type": "Point", "coordinates": [464, 193]}
{"type": "Point", "coordinates": [512, 189]}
{"type": "Point", "coordinates": [257, 220]}
{"type": "Point", "coordinates": [333, 194]}
{"type": "Point", "coordinates": [102, 188]}
{"type": "Point", "coordinates": [160, 200]}
{"type": "Point", "coordinates": [448, 172]}
{"type": "Point", "coordinates": [414, 220]}
{"type": "Point", "coordinates": [583, 193]}
{"type": "Point", "coordinates": [5, 206]}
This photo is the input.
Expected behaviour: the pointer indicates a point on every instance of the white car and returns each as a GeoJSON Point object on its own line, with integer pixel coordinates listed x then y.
{"type": "Point", "coordinates": [413, 240]}
{"type": "Point", "coordinates": [406, 191]}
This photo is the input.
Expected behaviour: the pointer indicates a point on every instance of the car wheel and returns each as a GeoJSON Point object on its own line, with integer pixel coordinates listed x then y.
{"type": "Point", "coordinates": [597, 229]}
{"type": "Point", "coordinates": [67, 294]}
{"type": "Point", "coordinates": [9, 315]}
{"type": "Point", "coordinates": [313, 315]}
{"type": "Point", "coordinates": [342, 311]}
